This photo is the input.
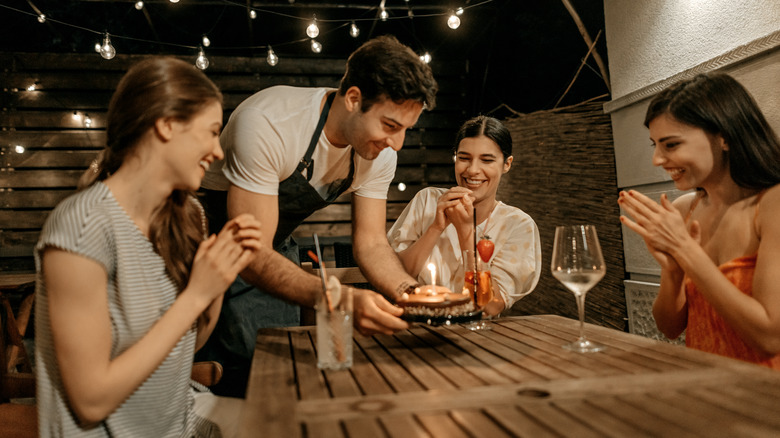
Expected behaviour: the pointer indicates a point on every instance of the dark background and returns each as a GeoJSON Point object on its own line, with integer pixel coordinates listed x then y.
{"type": "Point", "coordinates": [521, 55]}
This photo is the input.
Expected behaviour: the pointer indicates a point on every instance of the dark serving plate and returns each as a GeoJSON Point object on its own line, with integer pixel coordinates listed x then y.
{"type": "Point", "coordinates": [445, 319]}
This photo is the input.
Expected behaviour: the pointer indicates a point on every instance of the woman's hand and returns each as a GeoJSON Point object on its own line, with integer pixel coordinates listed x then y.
{"type": "Point", "coordinates": [221, 257]}
{"type": "Point", "coordinates": [661, 226]}
{"type": "Point", "coordinates": [461, 213]}
{"type": "Point", "coordinates": [450, 204]}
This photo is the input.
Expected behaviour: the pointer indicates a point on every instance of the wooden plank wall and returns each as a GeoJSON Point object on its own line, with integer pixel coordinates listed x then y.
{"type": "Point", "coordinates": [44, 149]}
{"type": "Point", "coordinates": [564, 174]}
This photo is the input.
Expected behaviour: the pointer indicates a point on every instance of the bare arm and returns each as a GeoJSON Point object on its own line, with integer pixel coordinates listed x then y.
{"type": "Point", "coordinates": [670, 307]}
{"type": "Point", "coordinates": [270, 270]}
{"type": "Point", "coordinates": [94, 383]}
{"type": "Point", "coordinates": [415, 255]}
{"type": "Point", "coordinates": [373, 253]}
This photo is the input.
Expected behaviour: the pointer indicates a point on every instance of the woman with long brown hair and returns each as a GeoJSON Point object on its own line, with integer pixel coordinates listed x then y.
{"type": "Point", "coordinates": [129, 286]}
{"type": "Point", "coordinates": [719, 244]}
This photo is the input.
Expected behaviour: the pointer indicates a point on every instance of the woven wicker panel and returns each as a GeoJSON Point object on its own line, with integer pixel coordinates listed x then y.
{"type": "Point", "coordinates": [564, 174]}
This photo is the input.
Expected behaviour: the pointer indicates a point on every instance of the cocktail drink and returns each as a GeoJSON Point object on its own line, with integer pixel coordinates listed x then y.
{"type": "Point", "coordinates": [484, 287]}
{"type": "Point", "coordinates": [334, 327]}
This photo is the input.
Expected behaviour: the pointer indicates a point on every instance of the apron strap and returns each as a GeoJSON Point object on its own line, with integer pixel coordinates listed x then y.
{"type": "Point", "coordinates": [306, 162]}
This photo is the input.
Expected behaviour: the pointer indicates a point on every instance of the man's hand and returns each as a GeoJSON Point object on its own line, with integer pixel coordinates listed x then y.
{"type": "Point", "coordinates": [374, 314]}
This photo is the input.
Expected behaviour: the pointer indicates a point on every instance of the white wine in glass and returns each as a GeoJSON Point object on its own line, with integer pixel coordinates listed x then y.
{"type": "Point", "coordinates": [578, 264]}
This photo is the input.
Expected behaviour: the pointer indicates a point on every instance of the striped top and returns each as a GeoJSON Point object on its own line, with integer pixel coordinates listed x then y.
{"type": "Point", "coordinates": [92, 224]}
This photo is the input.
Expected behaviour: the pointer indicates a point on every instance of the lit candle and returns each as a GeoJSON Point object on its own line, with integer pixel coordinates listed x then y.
{"type": "Point", "coordinates": [432, 268]}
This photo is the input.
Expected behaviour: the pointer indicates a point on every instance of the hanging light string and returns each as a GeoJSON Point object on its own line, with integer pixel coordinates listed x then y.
{"type": "Point", "coordinates": [344, 23]}
{"type": "Point", "coordinates": [107, 50]}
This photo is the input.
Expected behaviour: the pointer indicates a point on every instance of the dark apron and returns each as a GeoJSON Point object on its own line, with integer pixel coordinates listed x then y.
{"type": "Point", "coordinates": [246, 309]}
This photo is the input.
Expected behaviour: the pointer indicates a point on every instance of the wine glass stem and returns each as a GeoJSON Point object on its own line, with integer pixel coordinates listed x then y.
{"type": "Point", "coordinates": [581, 310]}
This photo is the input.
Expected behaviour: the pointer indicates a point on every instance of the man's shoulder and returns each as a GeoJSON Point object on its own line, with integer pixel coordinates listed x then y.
{"type": "Point", "coordinates": [282, 96]}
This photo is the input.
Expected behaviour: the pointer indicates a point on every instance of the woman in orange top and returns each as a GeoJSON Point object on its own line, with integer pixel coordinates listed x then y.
{"type": "Point", "coordinates": [719, 252]}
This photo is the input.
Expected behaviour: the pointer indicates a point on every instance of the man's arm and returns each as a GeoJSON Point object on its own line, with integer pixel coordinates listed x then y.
{"type": "Point", "coordinates": [271, 271]}
{"type": "Point", "coordinates": [373, 253]}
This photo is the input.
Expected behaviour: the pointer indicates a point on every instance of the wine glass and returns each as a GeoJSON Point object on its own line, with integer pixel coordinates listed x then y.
{"type": "Point", "coordinates": [578, 264]}
{"type": "Point", "coordinates": [484, 286]}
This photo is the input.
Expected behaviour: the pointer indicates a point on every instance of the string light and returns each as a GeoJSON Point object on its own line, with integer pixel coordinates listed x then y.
{"type": "Point", "coordinates": [76, 116]}
{"type": "Point", "coordinates": [312, 30]}
{"type": "Point", "coordinates": [107, 51]}
{"type": "Point", "coordinates": [401, 187]}
{"type": "Point", "coordinates": [202, 62]}
{"type": "Point", "coordinates": [31, 87]}
{"type": "Point", "coordinates": [87, 121]}
{"type": "Point", "coordinates": [19, 149]}
{"type": "Point", "coordinates": [426, 58]}
{"type": "Point", "coordinates": [454, 21]}
{"type": "Point", "coordinates": [271, 59]}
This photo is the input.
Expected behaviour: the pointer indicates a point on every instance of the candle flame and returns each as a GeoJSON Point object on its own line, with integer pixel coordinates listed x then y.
{"type": "Point", "coordinates": [432, 268]}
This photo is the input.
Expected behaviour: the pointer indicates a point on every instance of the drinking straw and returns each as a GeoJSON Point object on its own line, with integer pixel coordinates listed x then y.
{"type": "Point", "coordinates": [476, 281]}
{"type": "Point", "coordinates": [317, 258]}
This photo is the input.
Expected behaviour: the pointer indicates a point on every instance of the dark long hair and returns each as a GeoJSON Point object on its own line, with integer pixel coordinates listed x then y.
{"type": "Point", "coordinates": [384, 68]}
{"type": "Point", "coordinates": [490, 128]}
{"type": "Point", "coordinates": [720, 105]}
{"type": "Point", "coordinates": [155, 88]}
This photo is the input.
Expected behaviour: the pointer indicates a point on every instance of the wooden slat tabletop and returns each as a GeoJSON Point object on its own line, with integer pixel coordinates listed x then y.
{"type": "Point", "coordinates": [513, 380]}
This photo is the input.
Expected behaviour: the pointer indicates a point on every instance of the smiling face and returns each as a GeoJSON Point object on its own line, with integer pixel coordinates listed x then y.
{"type": "Point", "coordinates": [479, 165]}
{"type": "Point", "coordinates": [691, 157]}
{"type": "Point", "coordinates": [194, 145]}
{"type": "Point", "coordinates": [383, 125]}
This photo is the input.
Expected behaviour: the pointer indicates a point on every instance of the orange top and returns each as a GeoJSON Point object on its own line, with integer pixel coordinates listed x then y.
{"type": "Point", "coordinates": [707, 330]}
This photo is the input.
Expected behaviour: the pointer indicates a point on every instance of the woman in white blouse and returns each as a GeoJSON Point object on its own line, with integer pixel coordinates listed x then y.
{"type": "Point", "coordinates": [437, 225]}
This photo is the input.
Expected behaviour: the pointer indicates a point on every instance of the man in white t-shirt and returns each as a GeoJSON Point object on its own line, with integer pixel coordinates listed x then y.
{"type": "Point", "coordinates": [290, 151]}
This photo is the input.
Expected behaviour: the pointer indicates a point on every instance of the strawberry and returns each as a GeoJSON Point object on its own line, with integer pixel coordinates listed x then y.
{"type": "Point", "coordinates": [485, 248]}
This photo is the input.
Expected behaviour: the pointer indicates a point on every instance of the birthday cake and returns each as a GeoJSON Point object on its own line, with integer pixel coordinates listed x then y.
{"type": "Point", "coordinates": [430, 304]}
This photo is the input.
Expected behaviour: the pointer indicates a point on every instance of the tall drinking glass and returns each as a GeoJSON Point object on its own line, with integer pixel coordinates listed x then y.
{"type": "Point", "coordinates": [484, 286]}
{"type": "Point", "coordinates": [578, 264]}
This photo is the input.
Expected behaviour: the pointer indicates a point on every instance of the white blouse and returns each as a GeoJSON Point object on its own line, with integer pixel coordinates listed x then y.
{"type": "Point", "coordinates": [516, 262]}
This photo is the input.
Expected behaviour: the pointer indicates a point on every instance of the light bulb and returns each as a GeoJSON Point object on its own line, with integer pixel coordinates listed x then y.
{"type": "Point", "coordinates": [98, 46]}
{"type": "Point", "coordinates": [401, 187]}
{"type": "Point", "coordinates": [316, 47]}
{"type": "Point", "coordinates": [19, 149]}
{"type": "Point", "coordinates": [459, 12]}
{"type": "Point", "coordinates": [271, 59]}
{"type": "Point", "coordinates": [87, 121]}
{"type": "Point", "coordinates": [353, 30]}
{"type": "Point", "coordinates": [76, 116]}
{"type": "Point", "coordinates": [453, 22]}
{"type": "Point", "coordinates": [31, 87]}
{"type": "Point", "coordinates": [252, 14]}
{"type": "Point", "coordinates": [41, 18]}
{"type": "Point", "coordinates": [383, 15]}
{"type": "Point", "coordinates": [139, 5]}
{"type": "Point", "coordinates": [426, 58]}
{"type": "Point", "coordinates": [174, 1]}
{"type": "Point", "coordinates": [312, 31]}
{"type": "Point", "coordinates": [107, 51]}
{"type": "Point", "coordinates": [206, 41]}
{"type": "Point", "coordinates": [202, 62]}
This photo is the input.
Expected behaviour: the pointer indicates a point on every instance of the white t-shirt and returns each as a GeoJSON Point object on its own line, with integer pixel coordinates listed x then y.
{"type": "Point", "coordinates": [268, 134]}
{"type": "Point", "coordinates": [517, 259]}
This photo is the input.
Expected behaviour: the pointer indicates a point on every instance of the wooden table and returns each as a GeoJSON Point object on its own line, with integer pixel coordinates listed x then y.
{"type": "Point", "coordinates": [514, 380]}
